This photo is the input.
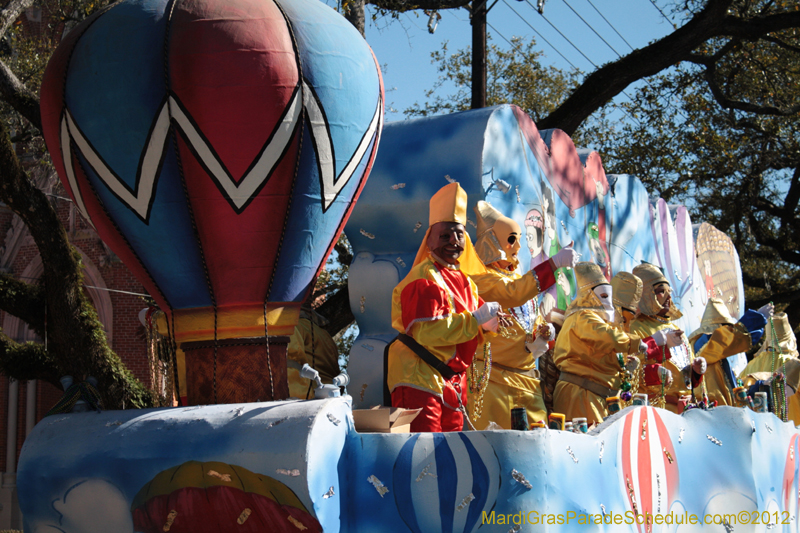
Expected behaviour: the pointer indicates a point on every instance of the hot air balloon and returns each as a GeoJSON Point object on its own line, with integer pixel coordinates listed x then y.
{"type": "Point", "coordinates": [218, 148]}
{"type": "Point", "coordinates": [649, 473]}
{"type": "Point", "coordinates": [445, 481]}
{"type": "Point", "coordinates": [215, 497]}
{"type": "Point", "coordinates": [790, 489]}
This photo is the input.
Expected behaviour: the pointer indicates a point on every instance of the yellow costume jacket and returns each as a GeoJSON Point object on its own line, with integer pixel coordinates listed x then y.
{"type": "Point", "coordinates": [318, 350]}
{"type": "Point", "coordinates": [587, 346]}
{"type": "Point", "coordinates": [764, 363]}
{"type": "Point", "coordinates": [725, 341]}
{"type": "Point", "coordinates": [434, 305]}
{"type": "Point", "coordinates": [508, 389]}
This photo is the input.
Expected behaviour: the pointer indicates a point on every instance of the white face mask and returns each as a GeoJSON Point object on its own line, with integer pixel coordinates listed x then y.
{"type": "Point", "coordinates": [603, 293]}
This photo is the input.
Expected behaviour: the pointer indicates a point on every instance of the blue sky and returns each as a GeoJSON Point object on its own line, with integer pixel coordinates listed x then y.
{"type": "Point", "coordinates": [404, 45]}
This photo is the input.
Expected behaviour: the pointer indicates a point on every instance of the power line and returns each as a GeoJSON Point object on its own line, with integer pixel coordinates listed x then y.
{"type": "Point", "coordinates": [515, 46]}
{"type": "Point", "coordinates": [611, 25]}
{"type": "Point", "coordinates": [659, 10]}
{"type": "Point", "coordinates": [564, 36]}
{"type": "Point", "coordinates": [591, 28]}
{"type": "Point", "coordinates": [542, 37]}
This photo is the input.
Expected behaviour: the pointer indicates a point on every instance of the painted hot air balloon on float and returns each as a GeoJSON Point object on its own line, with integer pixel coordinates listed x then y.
{"type": "Point", "coordinates": [197, 497]}
{"type": "Point", "coordinates": [218, 147]}
{"type": "Point", "coordinates": [649, 476]}
{"type": "Point", "coordinates": [445, 481]}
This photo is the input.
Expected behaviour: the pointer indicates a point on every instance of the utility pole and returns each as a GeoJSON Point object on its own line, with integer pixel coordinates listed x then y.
{"type": "Point", "coordinates": [478, 21]}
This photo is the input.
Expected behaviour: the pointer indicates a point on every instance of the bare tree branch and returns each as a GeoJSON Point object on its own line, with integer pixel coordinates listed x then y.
{"type": "Point", "coordinates": [11, 12]}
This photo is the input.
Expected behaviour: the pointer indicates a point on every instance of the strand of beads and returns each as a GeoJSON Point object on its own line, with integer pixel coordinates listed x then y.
{"type": "Point", "coordinates": [630, 381]}
{"type": "Point", "coordinates": [779, 381]}
{"type": "Point", "coordinates": [478, 382]}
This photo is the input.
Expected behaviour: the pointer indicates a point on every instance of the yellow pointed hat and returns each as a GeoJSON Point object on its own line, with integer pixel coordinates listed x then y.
{"type": "Point", "coordinates": [588, 276]}
{"type": "Point", "coordinates": [449, 204]}
{"type": "Point", "coordinates": [626, 290]}
{"type": "Point", "coordinates": [786, 339]}
{"type": "Point", "coordinates": [493, 230]}
{"type": "Point", "coordinates": [715, 315]}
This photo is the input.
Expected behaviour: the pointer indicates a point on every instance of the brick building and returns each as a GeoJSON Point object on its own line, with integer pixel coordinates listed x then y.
{"type": "Point", "coordinates": [115, 293]}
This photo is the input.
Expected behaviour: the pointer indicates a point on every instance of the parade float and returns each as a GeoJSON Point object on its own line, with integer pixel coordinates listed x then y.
{"type": "Point", "coordinates": [220, 148]}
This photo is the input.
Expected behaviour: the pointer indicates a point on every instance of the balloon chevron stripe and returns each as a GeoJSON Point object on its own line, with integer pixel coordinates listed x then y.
{"type": "Point", "coordinates": [239, 195]}
{"type": "Point", "coordinates": [321, 136]}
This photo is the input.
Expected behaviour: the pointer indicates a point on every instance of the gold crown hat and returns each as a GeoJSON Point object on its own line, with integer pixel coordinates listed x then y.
{"type": "Point", "coordinates": [588, 276]}
{"type": "Point", "coordinates": [626, 290]}
{"type": "Point", "coordinates": [449, 204]}
{"type": "Point", "coordinates": [715, 315]}
{"type": "Point", "coordinates": [651, 276]}
{"type": "Point", "coordinates": [493, 229]}
{"type": "Point", "coordinates": [787, 342]}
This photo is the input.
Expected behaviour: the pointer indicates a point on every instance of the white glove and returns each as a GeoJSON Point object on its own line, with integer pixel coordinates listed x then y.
{"type": "Point", "coordinates": [642, 347]}
{"type": "Point", "coordinates": [566, 257]}
{"type": "Point", "coordinates": [660, 336]}
{"type": "Point", "coordinates": [632, 364]}
{"type": "Point", "coordinates": [674, 338]}
{"type": "Point", "coordinates": [666, 376]}
{"type": "Point", "coordinates": [492, 325]}
{"type": "Point", "coordinates": [699, 365]}
{"type": "Point", "coordinates": [767, 310]}
{"type": "Point", "coordinates": [486, 312]}
{"type": "Point", "coordinates": [538, 347]}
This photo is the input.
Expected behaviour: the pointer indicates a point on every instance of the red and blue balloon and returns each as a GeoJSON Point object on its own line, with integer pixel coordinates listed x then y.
{"type": "Point", "coordinates": [218, 146]}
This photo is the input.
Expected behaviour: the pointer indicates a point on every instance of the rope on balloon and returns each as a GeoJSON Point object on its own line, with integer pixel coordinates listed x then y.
{"type": "Point", "coordinates": [174, 346]}
{"type": "Point", "coordinates": [186, 194]}
{"type": "Point", "coordinates": [291, 193]}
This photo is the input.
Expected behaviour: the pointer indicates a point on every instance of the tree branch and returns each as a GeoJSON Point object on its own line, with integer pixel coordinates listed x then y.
{"type": "Point", "coordinates": [403, 5]}
{"type": "Point", "coordinates": [727, 103]}
{"type": "Point", "coordinates": [611, 79]}
{"type": "Point", "coordinates": [354, 13]}
{"type": "Point", "coordinates": [757, 27]}
{"type": "Point", "coordinates": [782, 44]}
{"type": "Point", "coordinates": [27, 361]}
{"type": "Point", "coordinates": [608, 81]}
{"type": "Point", "coordinates": [24, 301]}
{"type": "Point", "coordinates": [793, 194]}
{"type": "Point", "coordinates": [11, 12]}
{"type": "Point", "coordinates": [19, 97]}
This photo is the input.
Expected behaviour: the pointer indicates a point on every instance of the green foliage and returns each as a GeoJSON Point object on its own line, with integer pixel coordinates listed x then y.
{"type": "Point", "coordinates": [513, 76]}
{"type": "Point", "coordinates": [725, 141]}
{"type": "Point", "coordinates": [334, 276]}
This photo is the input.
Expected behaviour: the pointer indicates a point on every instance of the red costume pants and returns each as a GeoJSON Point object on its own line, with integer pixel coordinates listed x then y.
{"type": "Point", "coordinates": [435, 415]}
